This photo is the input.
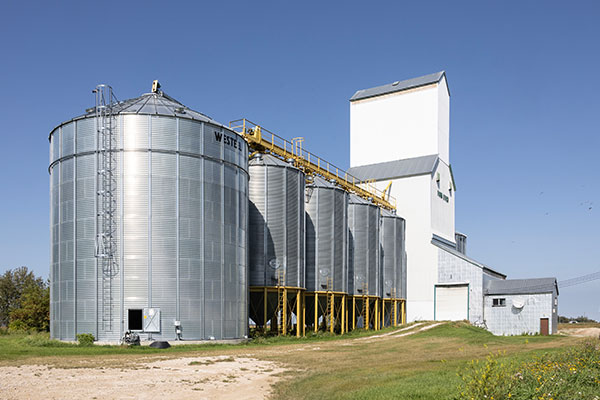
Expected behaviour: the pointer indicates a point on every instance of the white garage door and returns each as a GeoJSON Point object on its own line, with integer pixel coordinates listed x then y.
{"type": "Point", "coordinates": [451, 303]}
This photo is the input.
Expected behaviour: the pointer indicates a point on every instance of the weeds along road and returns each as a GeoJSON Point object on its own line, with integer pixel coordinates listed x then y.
{"type": "Point", "coordinates": [419, 361]}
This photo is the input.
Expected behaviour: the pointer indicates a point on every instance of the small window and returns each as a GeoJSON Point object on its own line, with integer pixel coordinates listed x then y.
{"type": "Point", "coordinates": [556, 301]}
{"type": "Point", "coordinates": [135, 320]}
{"type": "Point", "coordinates": [498, 302]}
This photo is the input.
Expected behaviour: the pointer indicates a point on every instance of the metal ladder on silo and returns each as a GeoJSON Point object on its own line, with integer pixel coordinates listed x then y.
{"type": "Point", "coordinates": [365, 305]}
{"type": "Point", "coordinates": [281, 302]}
{"type": "Point", "coordinates": [330, 304]}
{"type": "Point", "coordinates": [106, 228]}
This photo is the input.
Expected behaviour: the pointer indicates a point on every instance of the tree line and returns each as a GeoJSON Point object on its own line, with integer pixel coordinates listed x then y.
{"type": "Point", "coordinates": [24, 301]}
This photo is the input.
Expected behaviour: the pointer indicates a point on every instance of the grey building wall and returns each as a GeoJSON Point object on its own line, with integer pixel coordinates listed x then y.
{"type": "Point", "coordinates": [509, 320]}
{"type": "Point", "coordinates": [452, 269]}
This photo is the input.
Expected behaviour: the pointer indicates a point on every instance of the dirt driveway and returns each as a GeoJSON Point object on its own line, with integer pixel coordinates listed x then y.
{"type": "Point", "coordinates": [181, 378]}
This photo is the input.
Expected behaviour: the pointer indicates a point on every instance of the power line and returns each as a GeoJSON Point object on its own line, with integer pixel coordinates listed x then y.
{"type": "Point", "coordinates": [579, 280]}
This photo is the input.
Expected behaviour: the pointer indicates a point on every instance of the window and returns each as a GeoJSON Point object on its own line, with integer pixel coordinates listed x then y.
{"type": "Point", "coordinates": [556, 301]}
{"type": "Point", "coordinates": [498, 302]}
{"type": "Point", "coordinates": [135, 320]}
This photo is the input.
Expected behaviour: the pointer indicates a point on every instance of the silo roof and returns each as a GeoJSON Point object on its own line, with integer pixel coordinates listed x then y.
{"type": "Point", "coordinates": [389, 214]}
{"type": "Point", "coordinates": [158, 103]}
{"type": "Point", "coordinates": [269, 160]}
{"type": "Point", "coordinates": [322, 183]}
{"type": "Point", "coordinates": [398, 86]}
{"type": "Point", "coordinates": [355, 199]}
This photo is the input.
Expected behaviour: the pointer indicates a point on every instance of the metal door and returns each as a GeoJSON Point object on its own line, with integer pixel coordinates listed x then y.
{"type": "Point", "coordinates": [544, 326]}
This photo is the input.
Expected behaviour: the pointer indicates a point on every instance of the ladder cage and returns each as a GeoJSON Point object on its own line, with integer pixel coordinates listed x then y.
{"type": "Point", "coordinates": [107, 186]}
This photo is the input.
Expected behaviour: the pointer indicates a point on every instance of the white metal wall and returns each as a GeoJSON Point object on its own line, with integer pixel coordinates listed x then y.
{"type": "Point", "coordinates": [400, 125]}
{"type": "Point", "coordinates": [442, 203]}
{"type": "Point", "coordinates": [509, 320]}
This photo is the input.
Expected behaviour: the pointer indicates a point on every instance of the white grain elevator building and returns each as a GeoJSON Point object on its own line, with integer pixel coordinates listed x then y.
{"type": "Point", "coordinates": [399, 136]}
{"type": "Point", "coordinates": [400, 133]}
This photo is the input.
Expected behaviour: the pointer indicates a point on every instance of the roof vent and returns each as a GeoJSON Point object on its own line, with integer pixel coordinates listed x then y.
{"type": "Point", "coordinates": [395, 83]}
{"type": "Point", "coordinates": [180, 110]}
{"type": "Point", "coordinates": [155, 86]}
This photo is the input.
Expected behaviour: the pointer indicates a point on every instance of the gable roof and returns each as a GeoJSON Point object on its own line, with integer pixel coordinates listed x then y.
{"type": "Point", "coordinates": [436, 242]}
{"type": "Point", "coordinates": [397, 168]}
{"type": "Point", "coordinates": [521, 286]}
{"type": "Point", "coordinates": [399, 86]}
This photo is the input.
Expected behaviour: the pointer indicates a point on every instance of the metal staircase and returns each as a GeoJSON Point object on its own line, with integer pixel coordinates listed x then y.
{"type": "Point", "coordinates": [281, 303]}
{"type": "Point", "coordinates": [106, 202]}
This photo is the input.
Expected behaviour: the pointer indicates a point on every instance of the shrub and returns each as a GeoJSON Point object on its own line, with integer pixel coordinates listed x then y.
{"type": "Point", "coordinates": [572, 374]}
{"type": "Point", "coordinates": [85, 339]}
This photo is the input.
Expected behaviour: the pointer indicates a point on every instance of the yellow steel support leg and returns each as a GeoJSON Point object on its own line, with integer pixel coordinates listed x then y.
{"type": "Point", "coordinates": [353, 312]}
{"type": "Point", "coordinates": [303, 314]}
{"type": "Point", "coordinates": [265, 309]}
{"type": "Point", "coordinates": [395, 312]}
{"type": "Point", "coordinates": [343, 324]}
{"type": "Point", "coordinates": [316, 312]}
{"type": "Point", "coordinates": [376, 314]}
{"type": "Point", "coordinates": [403, 312]}
{"type": "Point", "coordinates": [367, 326]}
{"type": "Point", "coordinates": [297, 313]}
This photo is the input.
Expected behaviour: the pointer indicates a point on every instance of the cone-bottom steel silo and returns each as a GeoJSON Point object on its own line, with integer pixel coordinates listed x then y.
{"type": "Point", "coordinates": [392, 270]}
{"type": "Point", "coordinates": [149, 205]}
{"type": "Point", "coordinates": [326, 254]}
{"type": "Point", "coordinates": [276, 242]}
{"type": "Point", "coordinates": [364, 262]}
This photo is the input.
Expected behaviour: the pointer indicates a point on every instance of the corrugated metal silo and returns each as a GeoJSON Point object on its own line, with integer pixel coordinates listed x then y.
{"type": "Point", "coordinates": [180, 223]}
{"type": "Point", "coordinates": [393, 245]}
{"type": "Point", "coordinates": [276, 242]}
{"type": "Point", "coordinates": [276, 222]}
{"type": "Point", "coordinates": [326, 237]}
{"type": "Point", "coordinates": [364, 262]}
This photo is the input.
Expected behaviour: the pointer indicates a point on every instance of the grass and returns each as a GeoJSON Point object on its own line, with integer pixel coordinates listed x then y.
{"type": "Point", "coordinates": [323, 366]}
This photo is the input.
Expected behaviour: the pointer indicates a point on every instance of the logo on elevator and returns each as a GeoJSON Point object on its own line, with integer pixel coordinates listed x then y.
{"type": "Point", "coordinates": [228, 140]}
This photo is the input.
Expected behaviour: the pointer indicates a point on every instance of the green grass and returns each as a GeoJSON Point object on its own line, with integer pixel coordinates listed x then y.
{"type": "Point", "coordinates": [324, 366]}
{"type": "Point", "coordinates": [23, 346]}
{"type": "Point", "coordinates": [15, 346]}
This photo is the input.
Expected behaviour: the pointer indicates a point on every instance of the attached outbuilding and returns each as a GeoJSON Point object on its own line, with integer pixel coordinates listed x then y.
{"type": "Point", "coordinates": [521, 306]}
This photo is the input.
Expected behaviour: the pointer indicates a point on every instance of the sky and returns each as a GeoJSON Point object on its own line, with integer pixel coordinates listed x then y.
{"type": "Point", "coordinates": [524, 132]}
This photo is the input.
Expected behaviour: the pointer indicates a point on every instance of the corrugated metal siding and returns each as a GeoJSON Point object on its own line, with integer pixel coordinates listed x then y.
{"type": "Point", "coordinates": [191, 247]}
{"type": "Point", "coordinates": [85, 236]}
{"type": "Point", "coordinates": [276, 224]}
{"type": "Point", "coordinates": [66, 250]}
{"type": "Point", "coordinates": [164, 134]}
{"type": "Point", "coordinates": [326, 239]}
{"type": "Point", "coordinates": [164, 236]}
{"type": "Point", "coordinates": [86, 136]}
{"type": "Point", "coordinates": [54, 251]}
{"type": "Point", "coordinates": [363, 221]}
{"type": "Point", "coordinates": [392, 238]}
{"type": "Point", "coordinates": [135, 230]}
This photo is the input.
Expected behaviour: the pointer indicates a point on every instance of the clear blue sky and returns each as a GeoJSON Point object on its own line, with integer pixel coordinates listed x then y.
{"type": "Point", "coordinates": [522, 75]}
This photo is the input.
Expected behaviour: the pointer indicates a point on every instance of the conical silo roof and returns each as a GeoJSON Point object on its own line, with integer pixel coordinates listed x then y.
{"type": "Point", "coordinates": [269, 160]}
{"type": "Point", "coordinates": [158, 103]}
